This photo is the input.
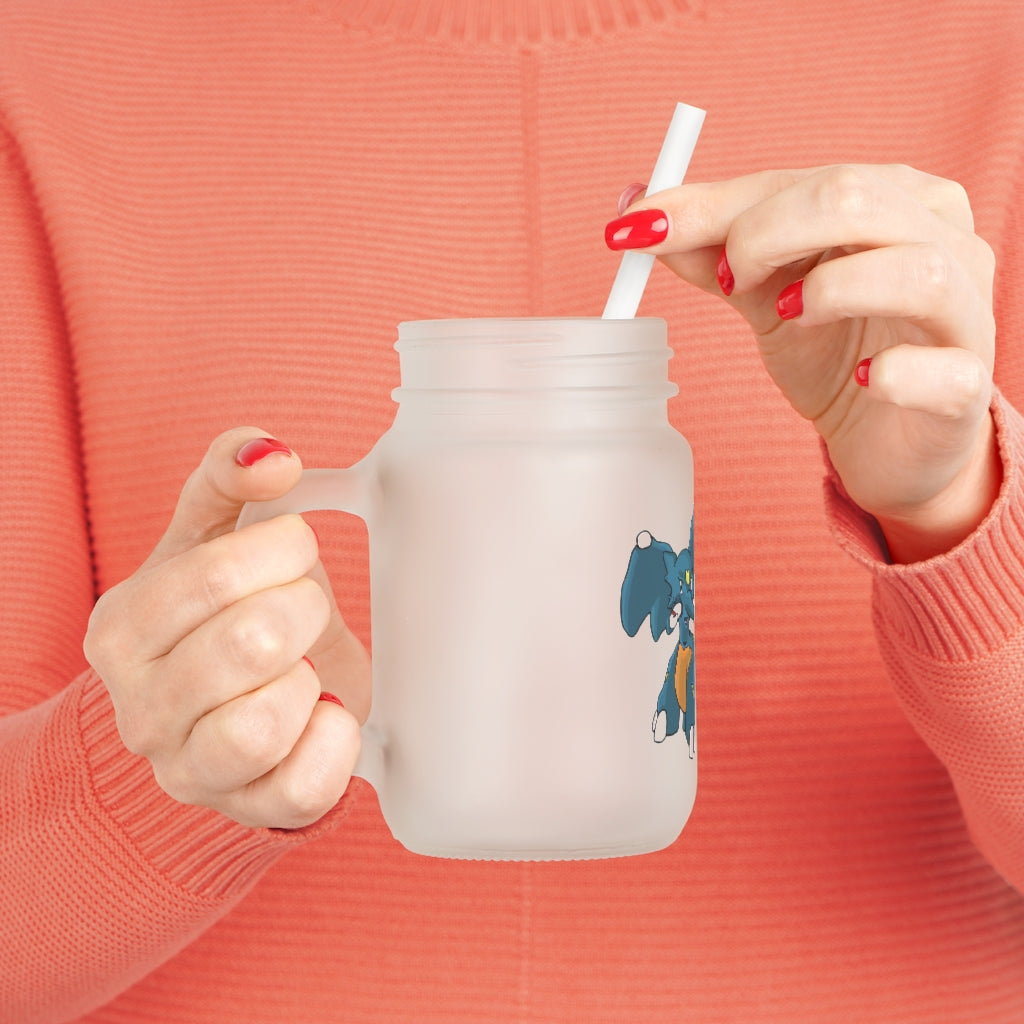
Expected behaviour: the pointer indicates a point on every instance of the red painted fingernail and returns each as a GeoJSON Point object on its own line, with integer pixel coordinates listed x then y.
{"type": "Point", "coordinates": [861, 373]}
{"type": "Point", "coordinates": [252, 451]}
{"type": "Point", "coordinates": [724, 274]}
{"type": "Point", "coordinates": [331, 698]}
{"type": "Point", "coordinates": [309, 663]}
{"type": "Point", "coordinates": [628, 195]}
{"type": "Point", "coordinates": [637, 230]}
{"type": "Point", "coordinates": [790, 303]}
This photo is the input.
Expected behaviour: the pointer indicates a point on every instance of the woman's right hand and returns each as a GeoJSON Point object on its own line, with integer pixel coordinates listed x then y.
{"type": "Point", "coordinates": [871, 300]}
{"type": "Point", "coordinates": [203, 650]}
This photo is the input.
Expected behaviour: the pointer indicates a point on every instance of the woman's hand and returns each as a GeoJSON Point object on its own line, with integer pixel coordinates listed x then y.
{"type": "Point", "coordinates": [203, 650]}
{"type": "Point", "coordinates": [871, 300]}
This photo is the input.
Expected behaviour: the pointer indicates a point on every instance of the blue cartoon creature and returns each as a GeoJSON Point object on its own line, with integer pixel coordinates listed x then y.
{"type": "Point", "coordinates": [659, 584]}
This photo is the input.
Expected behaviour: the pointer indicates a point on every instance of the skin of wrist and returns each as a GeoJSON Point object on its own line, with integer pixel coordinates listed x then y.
{"type": "Point", "coordinates": [952, 516]}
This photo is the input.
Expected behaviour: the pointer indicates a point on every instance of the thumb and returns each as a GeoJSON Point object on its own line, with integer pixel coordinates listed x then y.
{"type": "Point", "coordinates": [241, 465]}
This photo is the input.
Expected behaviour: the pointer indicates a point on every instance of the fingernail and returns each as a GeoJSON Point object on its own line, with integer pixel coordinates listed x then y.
{"type": "Point", "coordinates": [331, 698]}
{"type": "Point", "coordinates": [861, 373]}
{"type": "Point", "coordinates": [637, 230]}
{"type": "Point", "coordinates": [724, 274]}
{"type": "Point", "coordinates": [629, 194]}
{"type": "Point", "coordinates": [309, 663]}
{"type": "Point", "coordinates": [252, 451]}
{"type": "Point", "coordinates": [790, 303]}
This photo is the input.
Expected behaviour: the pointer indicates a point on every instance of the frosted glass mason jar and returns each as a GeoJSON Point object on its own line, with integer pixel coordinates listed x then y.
{"type": "Point", "coordinates": [530, 519]}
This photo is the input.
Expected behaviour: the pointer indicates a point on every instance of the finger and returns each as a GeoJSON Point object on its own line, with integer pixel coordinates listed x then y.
{"type": "Point", "coordinates": [701, 215]}
{"type": "Point", "coordinates": [842, 207]}
{"type": "Point", "coordinates": [951, 385]}
{"type": "Point", "coordinates": [920, 283]}
{"type": "Point", "coordinates": [214, 494]}
{"type": "Point", "coordinates": [243, 739]}
{"type": "Point", "coordinates": [238, 651]}
{"type": "Point", "coordinates": [174, 597]}
{"type": "Point", "coordinates": [310, 780]}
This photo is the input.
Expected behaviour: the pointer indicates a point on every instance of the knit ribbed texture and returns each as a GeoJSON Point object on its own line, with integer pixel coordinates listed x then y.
{"type": "Point", "coordinates": [215, 214]}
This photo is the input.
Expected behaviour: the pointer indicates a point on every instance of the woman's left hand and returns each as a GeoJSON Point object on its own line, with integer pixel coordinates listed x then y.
{"type": "Point", "coordinates": [870, 297]}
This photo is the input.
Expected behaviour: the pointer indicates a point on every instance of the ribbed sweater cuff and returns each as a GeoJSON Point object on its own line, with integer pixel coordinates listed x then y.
{"type": "Point", "coordinates": [964, 603]}
{"type": "Point", "coordinates": [194, 848]}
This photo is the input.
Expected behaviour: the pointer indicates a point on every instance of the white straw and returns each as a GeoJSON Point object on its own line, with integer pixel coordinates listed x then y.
{"type": "Point", "coordinates": [674, 158]}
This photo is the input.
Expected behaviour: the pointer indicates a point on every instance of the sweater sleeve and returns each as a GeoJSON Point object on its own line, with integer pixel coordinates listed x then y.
{"type": "Point", "coordinates": [102, 876]}
{"type": "Point", "coordinates": [951, 631]}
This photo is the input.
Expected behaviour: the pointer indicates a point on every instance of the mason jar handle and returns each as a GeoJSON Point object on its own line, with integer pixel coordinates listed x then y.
{"type": "Point", "coordinates": [332, 490]}
{"type": "Point", "coordinates": [337, 490]}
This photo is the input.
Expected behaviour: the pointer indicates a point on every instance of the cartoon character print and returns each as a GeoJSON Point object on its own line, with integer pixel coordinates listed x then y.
{"type": "Point", "coordinates": [659, 584]}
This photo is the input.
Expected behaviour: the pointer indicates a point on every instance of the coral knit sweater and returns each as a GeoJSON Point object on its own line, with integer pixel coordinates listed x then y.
{"type": "Point", "coordinates": [215, 213]}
